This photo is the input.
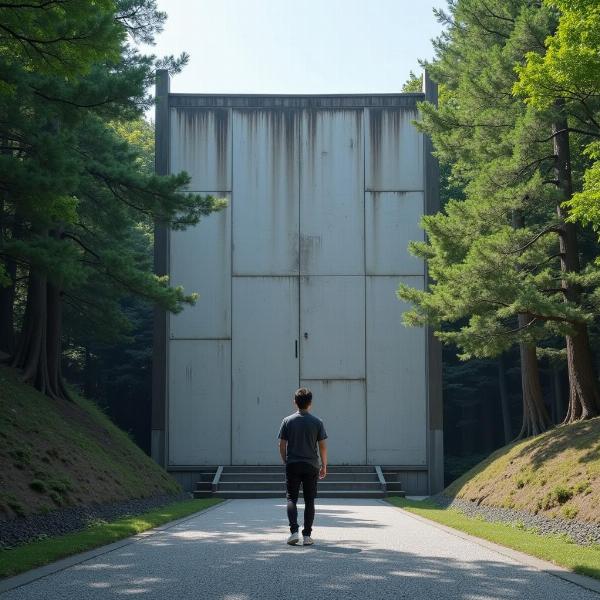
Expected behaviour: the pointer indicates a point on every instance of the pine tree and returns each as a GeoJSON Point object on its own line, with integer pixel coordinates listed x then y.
{"type": "Point", "coordinates": [73, 190]}
{"type": "Point", "coordinates": [565, 83]}
{"type": "Point", "coordinates": [502, 276]}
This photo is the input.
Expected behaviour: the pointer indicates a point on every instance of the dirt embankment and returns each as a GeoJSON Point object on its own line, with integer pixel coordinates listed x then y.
{"type": "Point", "coordinates": [56, 453]}
{"type": "Point", "coordinates": [556, 474]}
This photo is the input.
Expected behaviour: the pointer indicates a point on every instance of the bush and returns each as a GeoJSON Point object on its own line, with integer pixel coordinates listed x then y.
{"type": "Point", "coordinates": [582, 487]}
{"type": "Point", "coordinates": [558, 496]}
{"type": "Point", "coordinates": [569, 512]}
{"type": "Point", "coordinates": [38, 485]}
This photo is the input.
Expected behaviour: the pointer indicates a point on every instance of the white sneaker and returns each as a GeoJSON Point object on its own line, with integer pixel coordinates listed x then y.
{"type": "Point", "coordinates": [293, 539]}
{"type": "Point", "coordinates": [308, 541]}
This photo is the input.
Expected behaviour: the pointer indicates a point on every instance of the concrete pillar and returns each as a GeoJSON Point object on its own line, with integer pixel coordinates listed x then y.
{"type": "Point", "coordinates": [161, 233]}
{"type": "Point", "coordinates": [434, 349]}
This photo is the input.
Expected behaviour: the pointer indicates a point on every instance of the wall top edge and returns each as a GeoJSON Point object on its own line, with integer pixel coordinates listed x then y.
{"type": "Point", "coordinates": [295, 101]}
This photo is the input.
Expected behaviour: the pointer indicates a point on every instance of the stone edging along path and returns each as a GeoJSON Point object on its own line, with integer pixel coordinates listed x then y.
{"type": "Point", "coordinates": [580, 532]}
{"type": "Point", "coordinates": [69, 519]}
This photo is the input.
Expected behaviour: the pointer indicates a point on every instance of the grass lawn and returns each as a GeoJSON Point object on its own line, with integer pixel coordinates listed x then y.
{"type": "Point", "coordinates": [35, 554]}
{"type": "Point", "coordinates": [580, 559]}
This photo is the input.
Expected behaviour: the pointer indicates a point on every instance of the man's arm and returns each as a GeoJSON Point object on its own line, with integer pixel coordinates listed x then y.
{"type": "Point", "coordinates": [323, 453]}
{"type": "Point", "coordinates": [283, 449]}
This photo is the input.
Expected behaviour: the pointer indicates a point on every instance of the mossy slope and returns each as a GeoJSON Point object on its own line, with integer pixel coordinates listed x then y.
{"type": "Point", "coordinates": [57, 453]}
{"type": "Point", "coordinates": [556, 474]}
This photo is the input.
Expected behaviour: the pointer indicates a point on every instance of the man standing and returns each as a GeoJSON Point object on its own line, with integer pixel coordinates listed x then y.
{"type": "Point", "coordinates": [298, 437]}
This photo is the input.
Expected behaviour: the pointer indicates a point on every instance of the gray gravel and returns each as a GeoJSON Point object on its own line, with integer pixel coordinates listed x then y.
{"type": "Point", "coordinates": [578, 531]}
{"type": "Point", "coordinates": [364, 550]}
{"type": "Point", "coordinates": [75, 518]}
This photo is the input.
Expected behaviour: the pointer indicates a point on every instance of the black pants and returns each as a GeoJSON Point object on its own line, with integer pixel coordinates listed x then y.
{"type": "Point", "coordinates": [297, 473]}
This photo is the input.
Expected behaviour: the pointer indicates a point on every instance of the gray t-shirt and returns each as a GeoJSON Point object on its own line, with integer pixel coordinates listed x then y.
{"type": "Point", "coordinates": [302, 432]}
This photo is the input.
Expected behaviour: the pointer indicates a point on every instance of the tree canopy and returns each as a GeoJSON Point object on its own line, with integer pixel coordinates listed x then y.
{"type": "Point", "coordinates": [504, 260]}
{"type": "Point", "coordinates": [76, 192]}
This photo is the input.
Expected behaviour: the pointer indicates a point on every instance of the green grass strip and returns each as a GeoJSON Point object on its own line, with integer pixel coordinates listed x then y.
{"type": "Point", "coordinates": [554, 548]}
{"type": "Point", "coordinates": [35, 554]}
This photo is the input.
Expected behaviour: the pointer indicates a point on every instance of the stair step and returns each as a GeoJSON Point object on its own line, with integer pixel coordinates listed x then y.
{"type": "Point", "coordinates": [322, 485]}
{"type": "Point", "coordinates": [278, 494]}
{"type": "Point", "coordinates": [281, 469]}
{"type": "Point", "coordinates": [202, 494]}
{"type": "Point", "coordinates": [394, 485]}
{"type": "Point", "coordinates": [268, 481]}
{"type": "Point", "coordinates": [254, 476]}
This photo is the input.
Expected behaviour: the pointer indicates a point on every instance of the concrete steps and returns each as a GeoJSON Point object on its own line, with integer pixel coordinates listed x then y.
{"type": "Point", "coordinates": [343, 481]}
{"type": "Point", "coordinates": [280, 477]}
{"type": "Point", "coordinates": [281, 494]}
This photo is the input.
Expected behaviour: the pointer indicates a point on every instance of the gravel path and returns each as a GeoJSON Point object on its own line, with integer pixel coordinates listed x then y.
{"type": "Point", "coordinates": [365, 549]}
{"type": "Point", "coordinates": [579, 532]}
{"type": "Point", "coordinates": [75, 518]}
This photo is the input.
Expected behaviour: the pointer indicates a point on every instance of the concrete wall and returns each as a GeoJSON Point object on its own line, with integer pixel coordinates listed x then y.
{"type": "Point", "coordinates": [297, 278]}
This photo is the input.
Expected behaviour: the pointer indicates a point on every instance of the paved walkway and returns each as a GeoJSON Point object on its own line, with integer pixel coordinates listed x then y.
{"type": "Point", "coordinates": [364, 549]}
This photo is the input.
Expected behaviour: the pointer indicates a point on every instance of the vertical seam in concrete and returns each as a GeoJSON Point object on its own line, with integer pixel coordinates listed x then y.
{"type": "Point", "coordinates": [364, 135]}
{"type": "Point", "coordinates": [300, 150]}
{"type": "Point", "coordinates": [231, 245]}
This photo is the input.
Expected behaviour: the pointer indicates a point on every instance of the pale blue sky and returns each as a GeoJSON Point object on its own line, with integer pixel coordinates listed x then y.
{"type": "Point", "coordinates": [297, 46]}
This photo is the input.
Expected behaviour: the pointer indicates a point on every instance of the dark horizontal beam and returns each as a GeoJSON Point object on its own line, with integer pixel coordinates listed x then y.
{"type": "Point", "coordinates": [295, 102]}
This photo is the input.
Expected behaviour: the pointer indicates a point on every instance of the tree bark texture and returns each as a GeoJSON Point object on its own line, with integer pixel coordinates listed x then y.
{"type": "Point", "coordinates": [535, 416]}
{"type": "Point", "coordinates": [30, 355]}
{"type": "Point", "coordinates": [584, 392]}
{"type": "Point", "coordinates": [38, 352]}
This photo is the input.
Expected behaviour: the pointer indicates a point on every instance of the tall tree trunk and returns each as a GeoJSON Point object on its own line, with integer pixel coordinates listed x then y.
{"type": "Point", "coordinates": [584, 392]}
{"type": "Point", "coordinates": [504, 401]}
{"type": "Point", "coordinates": [30, 355]}
{"type": "Point", "coordinates": [535, 415]}
{"type": "Point", "coordinates": [38, 352]}
{"type": "Point", "coordinates": [53, 342]}
{"type": "Point", "coordinates": [7, 294]}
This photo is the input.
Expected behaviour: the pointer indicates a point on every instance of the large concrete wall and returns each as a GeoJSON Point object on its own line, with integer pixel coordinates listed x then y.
{"type": "Point", "coordinates": [297, 279]}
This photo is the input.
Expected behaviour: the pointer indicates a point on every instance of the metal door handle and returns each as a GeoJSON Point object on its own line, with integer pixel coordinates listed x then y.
{"type": "Point", "coordinates": [296, 348]}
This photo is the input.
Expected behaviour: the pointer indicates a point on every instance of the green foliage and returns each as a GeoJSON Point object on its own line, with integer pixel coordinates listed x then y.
{"type": "Point", "coordinates": [54, 36]}
{"type": "Point", "coordinates": [38, 485]}
{"type": "Point", "coordinates": [570, 66]}
{"type": "Point", "coordinates": [80, 197]}
{"type": "Point", "coordinates": [413, 84]}
{"type": "Point", "coordinates": [556, 497]}
{"type": "Point", "coordinates": [492, 252]}
{"type": "Point", "coordinates": [585, 205]}
{"type": "Point", "coordinates": [569, 71]}
{"type": "Point", "coordinates": [583, 487]}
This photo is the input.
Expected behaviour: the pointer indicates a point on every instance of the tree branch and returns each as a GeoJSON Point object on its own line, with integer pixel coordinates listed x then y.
{"type": "Point", "coordinates": [548, 229]}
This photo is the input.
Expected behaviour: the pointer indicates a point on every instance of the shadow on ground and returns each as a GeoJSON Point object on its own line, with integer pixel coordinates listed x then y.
{"type": "Point", "coordinates": [227, 559]}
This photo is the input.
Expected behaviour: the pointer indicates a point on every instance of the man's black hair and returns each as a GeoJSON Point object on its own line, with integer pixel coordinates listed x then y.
{"type": "Point", "coordinates": [303, 398]}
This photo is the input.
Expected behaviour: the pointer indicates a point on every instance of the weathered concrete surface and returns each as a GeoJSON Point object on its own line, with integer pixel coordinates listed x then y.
{"type": "Point", "coordinates": [364, 550]}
